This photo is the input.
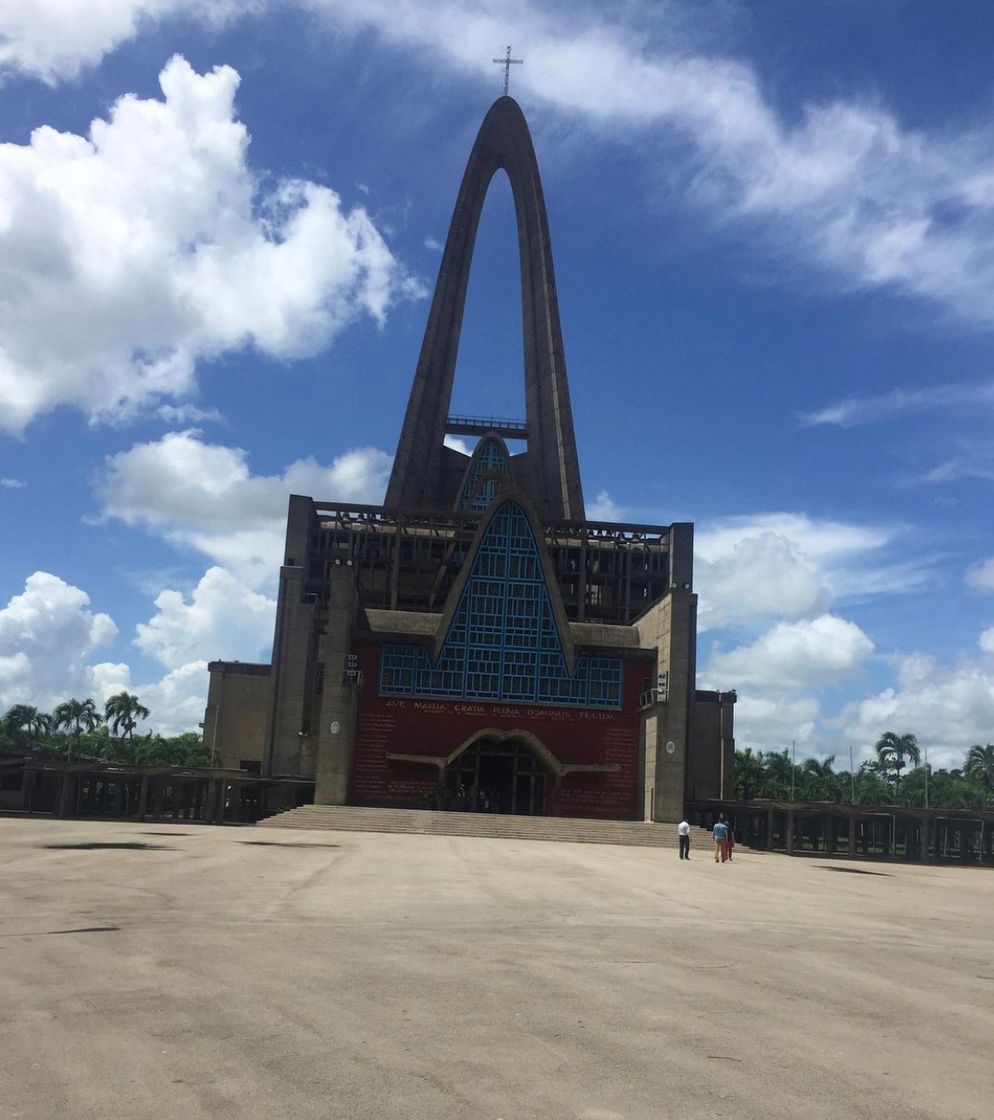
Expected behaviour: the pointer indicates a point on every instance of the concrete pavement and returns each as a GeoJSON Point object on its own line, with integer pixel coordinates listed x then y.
{"type": "Point", "coordinates": [247, 973]}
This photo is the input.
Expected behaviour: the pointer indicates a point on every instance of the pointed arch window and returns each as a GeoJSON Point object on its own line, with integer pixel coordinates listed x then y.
{"type": "Point", "coordinates": [503, 643]}
{"type": "Point", "coordinates": [489, 457]}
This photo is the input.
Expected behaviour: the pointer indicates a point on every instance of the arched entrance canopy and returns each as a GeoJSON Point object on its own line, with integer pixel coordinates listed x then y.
{"type": "Point", "coordinates": [417, 477]}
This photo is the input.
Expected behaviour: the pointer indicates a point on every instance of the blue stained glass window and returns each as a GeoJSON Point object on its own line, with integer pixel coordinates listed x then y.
{"type": "Point", "coordinates": [489, 456]}
{"type": "Point", "coordinates": [503, 643]}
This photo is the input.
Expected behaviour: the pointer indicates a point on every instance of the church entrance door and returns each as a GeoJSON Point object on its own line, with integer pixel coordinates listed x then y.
{"type": "Point", "coordinates": [498, 777]}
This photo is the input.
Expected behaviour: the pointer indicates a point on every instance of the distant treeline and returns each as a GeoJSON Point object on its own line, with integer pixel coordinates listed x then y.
{"type": "Point", "coordinates": [771, 774]}
{"type": "Point", "coordinates": [77, 729]}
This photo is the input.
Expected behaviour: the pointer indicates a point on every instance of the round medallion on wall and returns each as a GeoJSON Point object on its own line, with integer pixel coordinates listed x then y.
{"type": "Point", "coordinates": [335, 727]}
{"type": "Point", "coordinates": [670, 747]}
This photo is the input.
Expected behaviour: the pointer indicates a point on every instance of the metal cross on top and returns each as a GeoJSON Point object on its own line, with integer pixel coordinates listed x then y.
{"type": "Point", "coordinates": [507, 62]}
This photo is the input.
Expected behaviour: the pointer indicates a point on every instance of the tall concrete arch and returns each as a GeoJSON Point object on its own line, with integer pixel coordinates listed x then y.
{"type": "Point", "coordinates": [553, 469]}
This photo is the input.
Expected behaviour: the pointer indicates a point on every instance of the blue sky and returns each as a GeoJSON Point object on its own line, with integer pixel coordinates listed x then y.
{"type": "Point", "coordinates": [773, 227]}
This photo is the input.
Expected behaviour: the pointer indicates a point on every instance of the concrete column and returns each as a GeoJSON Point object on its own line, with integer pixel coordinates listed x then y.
{"type": "Point", "coordinates": [668, 627]}
{"type": "Point", "coordinates": [293, 652]}
{"type": "Point", "coordinates": [852, 835]}
{"type": "Point", "coordinates": [789, 834]}
{"type": "Point", "coordinates": [65, 794]}
{"type": "Point", "coordinates": [769, 829]}
{"type": "Point", "coordinates": [335, 733]}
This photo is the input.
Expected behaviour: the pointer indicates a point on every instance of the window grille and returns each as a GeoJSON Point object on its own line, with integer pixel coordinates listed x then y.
{"type": "Point", "coordinates": [503, 643]}
{"type": "Point", "coordinates": [489, 456]}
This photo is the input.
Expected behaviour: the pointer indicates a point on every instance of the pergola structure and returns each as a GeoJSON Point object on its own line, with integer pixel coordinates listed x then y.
{"type": "Point", "coordinates": [856, 831]}
{"type": "Point", "coordinates": [94, 788]}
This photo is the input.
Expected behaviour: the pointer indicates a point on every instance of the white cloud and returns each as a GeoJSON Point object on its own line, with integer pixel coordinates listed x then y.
{"type": "Point", "coordinates": [188, 414]}
{"type": "Point", "coordinates": [986, 640]}
{"type": "Point", "coordinates": [458, 444]}
{"type": "Point", "coordinates": [47, 635]}
{"type": "Point", "coordinates": [221, 619]}
{"type": "Point", "coordinates": [866, 410]}
{"type": "Point", "coordinates": [203, 496]}
{"type": "Point", "coordinates": [978, 463]}
{"type": "Point", "coordinates": [792, 655]}
{"type": "Point", "coordinates": [771, 723]}
{"type": "Point", "coordinates": [948, 707]}
{"type": "Point", "coordinates": [128, 255]}
{"type": "Point", "coordinates": [604, 508]}
{"type": "Point", "coordinates": [11, 484]}
{"type": "Point", "coordinates": [841, 184]}
{"type": "Point", "coordinates": [55, 39]}
{"type": "Point", "coordinates": [790, 565]}
{"type": "Point", "coordinates": [981, 576]}
{"type": "Point", "coordinates": [175, 701]}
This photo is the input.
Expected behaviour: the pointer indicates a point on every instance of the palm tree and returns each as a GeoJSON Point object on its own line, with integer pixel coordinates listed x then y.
{"type": "Point", "coordinates": [748, 773]}
{"type": "Point", "coordinates": [979, 767]}
{"type": "Point", "coordinates": [74, 715]}
{"type": "Point", "coordinates": [821, 781]}
{"type": "Point", "coordinates": [125, 710]}
{"type": "Point", "coordinates": [892, 750]}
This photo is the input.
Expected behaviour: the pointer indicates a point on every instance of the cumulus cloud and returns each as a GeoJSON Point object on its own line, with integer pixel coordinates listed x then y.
{"type": "Point", "coordinates": [457, 443]}
{"type": "Point", "coordinates": [841, 184]}
{"type": "Point", "coordinates": [604, 508]}
{"type": "Point", "coordinates": [11, 484]}
{"type": "Point", "coordinates": [949, 707]}
{"type": "Point", "coordinates": [203, 496]}
{"type": "Point", "coordinates": [771, 723]}
{"type": "Point", "coordinates": [986, 640]}
{"type": "Point", "coordinates": [131, 253]}
{"type": "Point", "coordinates": [55, 39]}
{"type": "Point", "coordinates": [981, 576]}
{"type": "Point", "coordinates": [790, 565]}
{"type": "Point", "coordinates": [175, 701]}
{"type": "Point", "coordinates": [47, 636]}
{"type": "Point", "coordinates": [222, 618]}
{"type": "Point", "coordinates": [804, 654]}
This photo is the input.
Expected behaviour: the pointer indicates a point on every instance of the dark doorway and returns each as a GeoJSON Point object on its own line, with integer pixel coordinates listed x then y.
{"type": "Point", "coordinates": [497, 777]}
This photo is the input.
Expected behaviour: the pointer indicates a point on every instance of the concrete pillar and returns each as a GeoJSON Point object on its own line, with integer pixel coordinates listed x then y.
{"type": "Point", "coordinates": [292, 672]}
{"type": "Point", "coordinates": [789, 834]}
{"type": "Point", "coordinates": [769, 829]}
{"type": "Point", "coordinates": [65, 794]}
{"type": "Point", "coordinates": [852, 835]}
{"type": "Point", "coordinates": [669, 628]}
{"type": "Point", "coordinates": [335, 732]}
{"type": "Point", "coordinates": [143, 797]}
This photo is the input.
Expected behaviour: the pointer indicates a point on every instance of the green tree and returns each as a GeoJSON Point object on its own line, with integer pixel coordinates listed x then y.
{"type": "Point", "coordinates": [819, 779]}
{"type": "Point", "coordinates": [748, 773]}
{"type": "Point", "coordinates": [979, 767]}
{"type": "Point", "coordinates": [777, 767]}
{"type": "Point", "coordinates": [75, 715]}
{"type": "Point", "coordinates": [123, 711]}
{"type": "Point", "coordinates": [25, 724]}
{"type": "Point", "coordinates": [894, 750]}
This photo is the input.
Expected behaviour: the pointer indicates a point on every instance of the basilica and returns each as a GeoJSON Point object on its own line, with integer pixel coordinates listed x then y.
{"type": "Point", "coordinates": [476, 642]}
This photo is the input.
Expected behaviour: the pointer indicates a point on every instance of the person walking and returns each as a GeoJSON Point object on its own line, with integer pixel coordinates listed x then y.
{"type": "Point", "coordinates": [683, 832]}
{"type": "Point", "coordinates": [729, 844]}
{"type": "Point", "coordinates": [719, 834]}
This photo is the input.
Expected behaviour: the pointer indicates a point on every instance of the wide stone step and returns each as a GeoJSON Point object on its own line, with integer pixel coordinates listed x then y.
{"type": "Point", "coordinates": [429, 822]}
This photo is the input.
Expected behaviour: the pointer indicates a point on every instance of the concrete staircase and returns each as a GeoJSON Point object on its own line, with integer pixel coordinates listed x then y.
{"type": "Point", "coordinates": [346, 818]}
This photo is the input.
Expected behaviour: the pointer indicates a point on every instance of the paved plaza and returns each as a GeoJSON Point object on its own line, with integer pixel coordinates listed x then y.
{"type": "Point", "coordinates": [156, 972]}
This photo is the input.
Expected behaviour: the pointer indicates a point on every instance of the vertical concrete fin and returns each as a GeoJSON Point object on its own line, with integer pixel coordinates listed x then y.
{"type": "Point", "coordinates": [503, 142]}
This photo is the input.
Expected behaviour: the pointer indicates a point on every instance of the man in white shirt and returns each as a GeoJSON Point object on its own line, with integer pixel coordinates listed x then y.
{"type": "Point", "coordinates": [683, 829]}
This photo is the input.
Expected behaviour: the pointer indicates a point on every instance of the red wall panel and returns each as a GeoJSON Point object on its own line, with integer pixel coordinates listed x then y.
{"type": "Point", "coordinates": [405, 725]}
